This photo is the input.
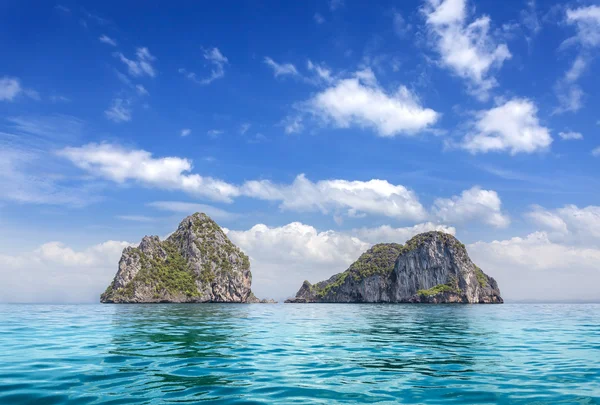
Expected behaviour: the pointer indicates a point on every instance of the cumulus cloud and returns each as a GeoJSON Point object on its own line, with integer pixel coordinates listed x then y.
{"type": "Point", "coordinates": [284, 69]}
{"type": "Point", "coordinates": [55, 272]}
{"type": "Point", "coordinates": [570, 135]}
{"type": "Point", "coordinates": [355, 198]}
{"type": "Point", "coordinates": [119, 111]}
{"type": "Point", "coordinates": [388, 234]}
{"type": "Point", "coordinates": [535, 267]}
{"type": "Point", "coordinates": [512, 127]}
{"type": "Point", "coordinates": [107, 40]}
{"type": "Point", "coordinates": [596, 152]}
{"type": "Point", "coordinates": [216, 60]}
{"type": "Point", "coordinates": [319, 19]}
{"type": "Point", "coordinates": [185, 132]}
{"type": "Point", "coordinates": [141, 65]}
{"type": "Point", "coordinates": [361, 101]}
{"type": "Point", "coordinates": [171, 173]}
{"type": "Point", "coordinates": [473, 204]}
{"type": "Point", "coordinates": [283, 257]}
{"type": "Point", "coordinates": [569, 224]}
{"type": "Point", "coordinates": [467, 49]}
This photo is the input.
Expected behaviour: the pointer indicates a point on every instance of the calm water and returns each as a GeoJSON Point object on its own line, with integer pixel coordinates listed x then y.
{"type": "Point", "coordinates": [299, 354]}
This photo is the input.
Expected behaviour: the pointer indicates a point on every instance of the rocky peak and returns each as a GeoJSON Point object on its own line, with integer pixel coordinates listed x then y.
{"type": "Point", "coordinates": [430, 267]}
{"type": "Point", "coordinates": [197, 263]}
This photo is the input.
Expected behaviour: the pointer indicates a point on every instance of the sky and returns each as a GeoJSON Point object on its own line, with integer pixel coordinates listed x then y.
{"type": "Point", "coordinates": [308, 130]}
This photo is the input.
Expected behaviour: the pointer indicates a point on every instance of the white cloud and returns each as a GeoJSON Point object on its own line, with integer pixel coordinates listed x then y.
{"type": "Point", "coordinates": [26, 178]}
{"type": "Point", "coordinates": [141, 90]}
{"type": "Point", "coordinates": [142, 65]}
{"type": "Point", "coordinates": [283, 257]}
{"type": "Point", "coordinates": [465, 48]}
{"type": "Point", "coordinates": [217, 60]}
{"type": "Point", "coordinates": [336, 197]}
{"type": "Point", "coordinates": [319, 19]}
{"type": "Point", "coordinates": [10, 87]}
{"type": "Point", "coordinates": [55, 272]}
{"type": "Point", "coordinates": [547, 219]}
{"type": "Point", "coordinates": [535, 267]}
{"type": "Point", "coordinates": [570, 97]}
{"type": "Point", "coordinates": [388, 234]}
{"type": "Point", "coordinates": [361, 101]}
{"type": "Point", "coordinates": [121, 165]}
{"type": "Point", "coordinates": [186, 131]}
{"type": "Point", "coordinates": [107, 40]}
{"type": "Point", "coordinates": [293, 124]}
{"type": "Point", "coordinates": [578, 67]}
{"type": "Point", "coordinates": [570, 135]}
{"type": "Point", "coordinates": [119, 111]}
{"type": "Point", "coordinates": [569, 224]}
{"type": "Point", "coordinates": [187, 208]}
{"type": "Point", "coordinates": [55, 127]}
{"type": "Point", "coordinates": [530, 21]}
{"type": "Point", "coordinates": [567, 90]}
{"type": "Point", "coordinates": [587, 23]}
{"type": "Point", "coordinates": [285, 69]}
{"type": "Point", "coordinates": [472, 204]}
{"type": "Point", "coordinates": [355, 198]}
{"type": "Point", "coordinates": [596, 151]}
{"type": "Point", "coordinates": [323, 73]}
{"type": "Point", "coordinates": [512, 127]}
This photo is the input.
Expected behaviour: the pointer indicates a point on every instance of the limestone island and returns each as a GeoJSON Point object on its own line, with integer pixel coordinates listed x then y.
{"type": "Point", "coordinates": [196, 263]}
{"type": "Point", "coordinates": [432, 267]}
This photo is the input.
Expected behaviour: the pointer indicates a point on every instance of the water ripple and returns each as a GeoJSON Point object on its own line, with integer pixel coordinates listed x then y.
{"type": "Point", "coordinates": [300, 354]}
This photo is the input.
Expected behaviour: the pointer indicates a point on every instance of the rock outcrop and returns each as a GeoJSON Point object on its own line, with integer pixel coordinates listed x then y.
{"type": "Point", "coordinates": [197, 263]}
{"type": "Point", "coordinates": [432, 267]}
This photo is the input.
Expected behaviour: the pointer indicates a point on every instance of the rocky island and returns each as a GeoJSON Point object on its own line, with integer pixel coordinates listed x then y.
{"type": "Point", "coordinates": [432, 267]}
{"type": "Point", "coordinates": [196, 263]}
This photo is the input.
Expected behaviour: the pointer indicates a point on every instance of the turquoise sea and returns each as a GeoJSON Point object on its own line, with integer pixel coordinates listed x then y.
{"type": "Point", "coordinates": [300, 354]}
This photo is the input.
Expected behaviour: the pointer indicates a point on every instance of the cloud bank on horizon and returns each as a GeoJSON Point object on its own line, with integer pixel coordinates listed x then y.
{"type": "Point", "coordinates": [359, 125]}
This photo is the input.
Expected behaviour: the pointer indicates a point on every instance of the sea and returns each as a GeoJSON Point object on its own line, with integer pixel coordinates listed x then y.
{"type": "Point", "coordinates": [300, 354]}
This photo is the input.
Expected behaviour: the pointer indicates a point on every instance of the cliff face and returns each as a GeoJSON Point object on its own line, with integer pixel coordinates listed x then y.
{"type": "Point", "coordinates": [432, 267]}
{"type": "Point", "coordinates": [197, 263]}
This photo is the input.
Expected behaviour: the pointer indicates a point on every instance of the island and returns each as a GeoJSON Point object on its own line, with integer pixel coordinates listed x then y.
{"type": "Point", "coordinates": [432, 267]}
{"type": "Point", "coordinates": [196, 263]}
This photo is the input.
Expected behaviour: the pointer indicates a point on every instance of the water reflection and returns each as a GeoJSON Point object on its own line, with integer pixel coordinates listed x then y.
{"type": "Point", "coordinates": [303, 354]}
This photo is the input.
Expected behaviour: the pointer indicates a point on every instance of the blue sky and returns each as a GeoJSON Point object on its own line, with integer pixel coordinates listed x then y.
{"type": "Point", "coordinates": [309, 130]}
